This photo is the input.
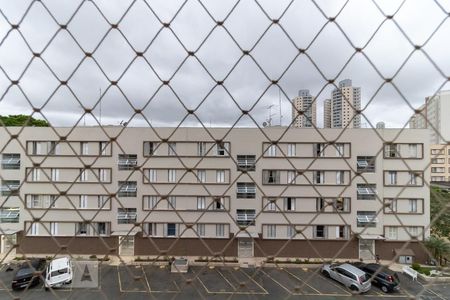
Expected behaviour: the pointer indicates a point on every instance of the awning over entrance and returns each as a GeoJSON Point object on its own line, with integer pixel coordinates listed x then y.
{"type": "Point", "coordinates": [404, 252]}
{"type": "Point", "coordinates": [370, 237]}
{"type": "Point", "coordinates": [125, 233]}
{"type": "Point", "coordinates": [9, 231]}
{"type": "Point", "coordinates": [245, 234]}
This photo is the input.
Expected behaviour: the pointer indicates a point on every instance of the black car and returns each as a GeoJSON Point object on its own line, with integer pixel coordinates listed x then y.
{"type": "Point", "coordinates": [386, 279]}
{"type": "Point", "coordinates": [26, 274]}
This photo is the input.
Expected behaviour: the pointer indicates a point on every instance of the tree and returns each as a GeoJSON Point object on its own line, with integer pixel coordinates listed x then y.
{"type": "Point", "coordinates": [439, 205]}
{"type": "Point", "coordinates": [22, 120]}
{"type": "Point", "coordinates": [438, 247]}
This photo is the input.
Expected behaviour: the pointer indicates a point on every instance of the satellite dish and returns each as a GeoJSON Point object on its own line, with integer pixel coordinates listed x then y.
{"type": "Point", "coordinates": [264, 124]}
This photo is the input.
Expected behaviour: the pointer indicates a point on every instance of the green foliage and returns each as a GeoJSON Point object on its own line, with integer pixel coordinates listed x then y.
{"type": "Point", "coordinates": [439, 201]}
{"type": "Point", "coordinates": [22, 120]}
{"type": "Point", "coordinates": [415, 266]}
{"type": "Point", "coordinates": [438, 247]}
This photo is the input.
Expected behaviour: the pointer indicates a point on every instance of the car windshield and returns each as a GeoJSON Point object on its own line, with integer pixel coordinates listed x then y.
{"type": "Point", "coordinates": [24, 272]}
{"type": "Point", "coordinates": [59, 272]}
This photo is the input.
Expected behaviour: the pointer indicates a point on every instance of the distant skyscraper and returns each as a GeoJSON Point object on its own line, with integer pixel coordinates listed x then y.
{"type": "Point", "coordinates": [305, 103]}
{"type": "Point", "coordinates": [327, 113]}
{"type": "Point", "coordinates": [344, 100]}
{"type": "Point", "coordinates": [434, 115]}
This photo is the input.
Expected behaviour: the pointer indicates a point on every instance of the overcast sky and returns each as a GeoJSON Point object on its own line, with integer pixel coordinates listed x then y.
{"type": "Point", "coordinates": [303, 25]}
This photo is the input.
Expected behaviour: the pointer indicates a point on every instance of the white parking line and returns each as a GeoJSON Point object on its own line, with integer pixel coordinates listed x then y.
{"type": "Point", "coordinates": [156, 291]}
{"type": "Point", "coordinates": [304, 282]}
{"type": "Point", "coordinates": [265, 291]}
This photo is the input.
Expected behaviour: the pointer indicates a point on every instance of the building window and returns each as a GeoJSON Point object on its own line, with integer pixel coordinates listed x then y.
{"type": "Point", "coordinates": [291, 177]}
{"type": "Point", "coordinates": [171, 229]}
{"type": "Point", "coordinates": [366, 191]}
{"type": "Point", "coordinates": [291, 151]}
{"type": "Point", "coordinates": [11, 161]}
{"type": "Point", "coordinates": [222, 149]}
{"type": "Point", "coordinates": [320, 204]}
{"type": "Point", "coordinates": [246, 190]}
{"type": "Point", "coordinates": [412, 150]}
{"type": "Point", "coordinates": [34, 230]}
{"type": "Point", "coordinates": [413, 205]}
{"type": "Point", "coordinates": [271, 177]}
{"type": "Point", "coordinates": [271, 204]}
{"type": "Point", "coordinates": [172, 149]}
{"type": "Point", "coordinates": [201, 175]}
{"type": "Point", "coordinates": [126, 215]}
{"type": "Point", "coordinates": [201, 148]}
{"type": "Point", "coordinates": [172, 175]}
{"type": "Point", "coordinates": [84, 148]}
{"type": "Point", "coordinates": [127, 189]}
{"type": "Point", "coordinates": [102, 201]}
{"type": "Point", "coordinates": [9, 214]}
{"type": "Point", "coordinates": [245, 217]}
{"type": "Point", "coordinates": [366, 219]}
{"type": "Point", "coordinates": [319, 150]}
{"type": "Point", "coordinates": [102, 228]}
{"type": "Point", "coordinates": [291, 232]}
{"type": "Point", "coordinates": [246, 162]}
{"type": "Point", "coordinates": [220, 176]}
{"type": "Point", "coordinates": [150, 148]}
{"type": "Point", "coordinates": [219, 203]}
{"type": "Point", "coordinates": [437, 161]}
{"type": "Point", "coordinates": [54, 175]}
{"type": "Point", "coordinates": [201, 203]}
{"type": "Point", "coordinates": [103, 175]}
{"type": "Point", "coordinates": [152, 175]}
{"type": "Point", "coordinates": [103, 148]}
{"type": "Point", "coordinates": [10, 187]}
{"type": "Point", "coordinates": [320, 232]}
{"type": "Point", "coordinates": [342, 232]}
{"type": "Point", "coordinates": [413, 178]}
{"type": "Point", "coordinates": [201, 229]}
{"type": "Point", "coordinates": [271, 231]}
{"type": "Point", "coordinates": [289, 204]}
{"type": "Point", "coordinates": [391, 150]}
{"type": "Point", "coordinates": [150, 202]}
{"type": "Point", "coordinates": [413, 231]}
{"type": "Point", "coordinates": [391, 204]}
{"type": "Point", "coordinates": [84, 175]}
{"type": "Point", "coordinates": [220, 230]}
{"type": "Point", "coordinates": [35, 174]}
{"type": "Point", "coordinates": [392, 177]}
{"type": "Point", "coordinates": [365, 164]}
{"type": "Point", "coordinates": [53, 228]}
{"type": "Point", "coordinates": [341, 204]}
{"type": "Point", "coordinates": [81, 228]}
{"type": "Point", "coordinates": [127, 161]}
{"type": "Point", "coordinates": [339, 150]}
{"type": "Point", "coordinates": [83, 201]}
{"type": "Point", "coordinates": [340, 177]}
{"type": "Point", "coordinates": [392, 233]}
{"type": "Point", "coordinates": [150, 229]}
{"type": "Point", "coordinates": [172, 202]}
{"type": "Point", "coordinates": [319, 177]}
{"type": "Point", "coordinates": [272, 150]}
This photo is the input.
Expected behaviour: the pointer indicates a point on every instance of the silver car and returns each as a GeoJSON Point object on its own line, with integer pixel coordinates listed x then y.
{"type": "Point", "coordinates": [350, 276]}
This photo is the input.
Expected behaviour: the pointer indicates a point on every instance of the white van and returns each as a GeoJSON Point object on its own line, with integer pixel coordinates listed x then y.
{"type": "Point", "coordinates": [59, 272]}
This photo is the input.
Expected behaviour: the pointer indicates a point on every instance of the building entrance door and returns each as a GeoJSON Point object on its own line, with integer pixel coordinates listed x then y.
{"type": "Point", "coordinates": [245, 247]}
{"type": "Point", "coordinates": [126, 245]}
{"type": "Point", "coordinates": [367, 249]}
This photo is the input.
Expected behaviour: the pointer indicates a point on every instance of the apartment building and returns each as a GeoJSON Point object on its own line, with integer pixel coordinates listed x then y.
{"type": "Point", "coordinates": [440, 163]}
{"type": "Point", "coordinates": [345, 100]}
{"type": "Point", "coordinates": [434, 116]}
{"type": "Point", "coordinates": [304, 110]}
{"type": "Point", "coordinates": [243, 192]}
{"type": "Point", "coordinates": [327, 113]}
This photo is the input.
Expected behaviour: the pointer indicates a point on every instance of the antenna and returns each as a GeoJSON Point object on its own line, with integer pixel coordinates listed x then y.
{"type": "Point", "coordinates": [279, 103]}
{"type": "Point", "coordinates": [269, 120]}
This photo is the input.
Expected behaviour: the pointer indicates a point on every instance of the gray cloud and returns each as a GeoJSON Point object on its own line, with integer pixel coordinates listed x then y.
{"type": "Point", "coordinates": [330, 51]}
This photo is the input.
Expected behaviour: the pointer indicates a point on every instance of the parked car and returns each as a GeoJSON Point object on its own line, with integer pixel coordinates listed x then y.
{"type": "Point", "coordinates": [26, 274]}
{"type": "Point", "coordinates": [59, 272]}
{"type": "Point", "coordinates": [350, 276]}
{"type": "Point", "coordinates": [386, 279]}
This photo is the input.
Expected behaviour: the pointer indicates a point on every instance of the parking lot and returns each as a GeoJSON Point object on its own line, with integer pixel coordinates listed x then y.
{"type": "Point", "coordinates": [156, 282]}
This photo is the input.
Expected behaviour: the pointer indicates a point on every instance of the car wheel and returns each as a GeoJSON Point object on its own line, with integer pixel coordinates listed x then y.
{"type": "Point", "coordinates": [46, 289]}
{"type": "Point", "coordinates": [354, 288]}
{"type": "Point", "coordinates": [384, 289]}
{"type": "Point", "coordinates": [326, 274]}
